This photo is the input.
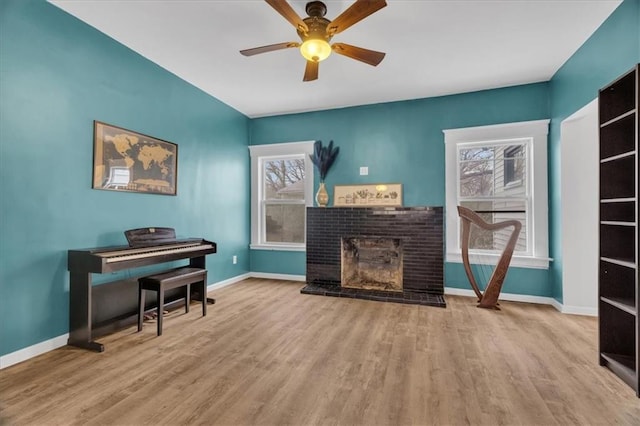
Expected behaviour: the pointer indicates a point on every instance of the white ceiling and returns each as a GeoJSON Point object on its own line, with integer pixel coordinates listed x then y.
{"type": "Point", "coordinates": [433, 47]}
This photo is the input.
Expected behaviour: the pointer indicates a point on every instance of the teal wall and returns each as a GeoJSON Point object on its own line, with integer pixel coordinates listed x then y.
{"type": "Point", "coordinates": [58, 75]}
{"type": "Point", "coordinates": [610, 52]}
{"type": "Point", "coordinates": [403, 142]}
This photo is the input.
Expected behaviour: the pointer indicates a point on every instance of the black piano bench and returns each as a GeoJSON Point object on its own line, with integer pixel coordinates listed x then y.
{"type": "Point", "coordinates": [166, 281]}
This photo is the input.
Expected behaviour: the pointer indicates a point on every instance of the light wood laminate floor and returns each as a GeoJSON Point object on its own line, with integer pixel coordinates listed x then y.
{"type": "Point", "coordinates": [267, 355]}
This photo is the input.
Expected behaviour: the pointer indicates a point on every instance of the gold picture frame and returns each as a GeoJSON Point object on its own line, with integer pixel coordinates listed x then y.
{"type": "Point", "coordinates": [124, 160]}
{"type": "Point", "coordinates": [368, 195]}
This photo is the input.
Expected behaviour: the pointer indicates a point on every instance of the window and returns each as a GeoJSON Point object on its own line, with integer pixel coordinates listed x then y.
{"type": "Point", "coordinates": [514, 163]}
{"type": "Point", "coordinates": [281, 189]}
{"type": "Point", "coordinates": [500, 172]}
{"type": "Point", "coordinates": [487, 184]}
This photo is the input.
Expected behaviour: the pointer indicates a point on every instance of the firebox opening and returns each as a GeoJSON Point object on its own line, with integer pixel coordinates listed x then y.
{"type": "Point", "coordinates": [372, 263]}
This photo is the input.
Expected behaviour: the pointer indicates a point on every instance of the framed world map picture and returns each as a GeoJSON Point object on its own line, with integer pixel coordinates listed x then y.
{"type": "Point", "coordinates": [124, 160]}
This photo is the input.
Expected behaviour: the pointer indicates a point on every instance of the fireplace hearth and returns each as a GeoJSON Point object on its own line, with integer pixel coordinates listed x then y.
{"type": "Point", "coordinates": [392, 254]}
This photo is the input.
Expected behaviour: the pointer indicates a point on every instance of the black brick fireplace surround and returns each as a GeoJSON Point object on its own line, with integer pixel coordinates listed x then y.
{"type": "Point", "coordinates": [419, 228]}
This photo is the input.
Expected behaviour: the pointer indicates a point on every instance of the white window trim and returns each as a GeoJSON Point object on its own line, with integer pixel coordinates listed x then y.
{"type": "Point", "coordinates": [277, 150]}
{"type": "Point", "coordinates": [538, 130]}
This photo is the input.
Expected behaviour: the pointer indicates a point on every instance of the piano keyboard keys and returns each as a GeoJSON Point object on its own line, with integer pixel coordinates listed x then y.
{"type": "Point", "coordinates": [140, 253]}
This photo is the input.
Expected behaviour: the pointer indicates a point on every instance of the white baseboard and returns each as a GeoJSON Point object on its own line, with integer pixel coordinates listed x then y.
{"type": "Point", "coordinates": [556, 304]}
{"type": "Point", "coordinates": [512, 297]}
{"type": "Point", "coordinates": [541, 300]}
{"type": "Point", "coordinates": [228, 281]}
{"type": "Point", "coordinates": [578, 310]}
{"type": "Point", "coordinates": [286, 277]}
{"type": "Point", "coordinates": [33, 351]}
{"type": "Point", "coordinates": [264, 275]}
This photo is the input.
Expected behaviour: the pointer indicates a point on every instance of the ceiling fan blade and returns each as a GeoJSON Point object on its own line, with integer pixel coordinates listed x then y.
{"type": "Point", "coordinates": [285, 9]}
{"type": "Point", "coordinates": [367, 56]}
{"type": "Point", "coordinates": [354, 14]}
{"type": "Point", "coordinates": [311, 71]}
{"type": "Point", "coordinates": [269, 48]}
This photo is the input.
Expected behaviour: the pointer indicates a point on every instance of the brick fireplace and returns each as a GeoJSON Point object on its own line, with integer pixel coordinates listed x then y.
{"type": "Point", "coordinates": [392, 254]}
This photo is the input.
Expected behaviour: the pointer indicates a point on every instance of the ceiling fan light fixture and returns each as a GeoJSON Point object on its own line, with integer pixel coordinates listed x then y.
{"type": "Point", "coordinates": [316, 31]}
{"type": "Point", "coordinates": [315, 49]}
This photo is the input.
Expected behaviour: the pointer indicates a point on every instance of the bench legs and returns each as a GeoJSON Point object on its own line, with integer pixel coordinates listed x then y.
{"type": "Point", "coordinates": [203, 293]}
{"type": "Point", "coordinates": [160, 310]}
{"type": "Point", "coordinates": [160, 289]}
{"type": "Point", "coordinates": [141, 294]}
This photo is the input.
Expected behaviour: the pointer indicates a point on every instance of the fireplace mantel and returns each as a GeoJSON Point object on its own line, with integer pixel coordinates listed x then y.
{"type": "Point", "coordinates": [419, 228]}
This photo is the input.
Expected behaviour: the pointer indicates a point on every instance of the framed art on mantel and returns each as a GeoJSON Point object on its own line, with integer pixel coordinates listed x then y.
{"type": "Point", "coordinates": [368, 195]}
{"type": "Point", "coordinates": [124, 160]}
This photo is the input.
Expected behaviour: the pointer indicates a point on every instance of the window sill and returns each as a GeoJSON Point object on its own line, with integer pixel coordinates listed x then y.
{"type": "Point", "coordinates": [513, 184]}
{"type": "Point", "coordinates": [278, 247]}
{"type": "Point", "coordinates": [491, 259]}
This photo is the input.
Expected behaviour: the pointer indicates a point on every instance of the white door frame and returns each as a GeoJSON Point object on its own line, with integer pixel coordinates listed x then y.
{"type": "Point", "coordinates": [579, 189]}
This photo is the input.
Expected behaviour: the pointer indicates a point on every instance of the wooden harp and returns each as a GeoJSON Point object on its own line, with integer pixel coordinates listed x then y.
{"type": "Point", "coordinates": [491, 293]}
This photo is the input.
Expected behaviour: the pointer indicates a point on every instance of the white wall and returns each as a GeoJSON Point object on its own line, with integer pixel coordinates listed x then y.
{"type": "Point", "coordinates": [580, 210]}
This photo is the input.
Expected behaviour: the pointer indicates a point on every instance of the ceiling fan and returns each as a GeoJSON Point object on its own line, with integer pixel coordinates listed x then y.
{"type": "Point", "coordinates": [316, 31]}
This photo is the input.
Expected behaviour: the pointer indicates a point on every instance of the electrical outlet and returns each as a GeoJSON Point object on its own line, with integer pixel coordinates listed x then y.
{"type": "Point", "coordinates": [364, 171]}
{"type": "Point", "coordinates": [235, 259]}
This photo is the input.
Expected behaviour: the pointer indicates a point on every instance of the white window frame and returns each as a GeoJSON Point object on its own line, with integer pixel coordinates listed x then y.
{"type": "Point", "coordinates": [259, 154]}
{"type": "Point", "coordinates": [538, 239]}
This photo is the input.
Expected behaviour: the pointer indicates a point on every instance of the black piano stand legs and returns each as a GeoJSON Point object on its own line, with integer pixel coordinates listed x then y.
{"type": "Point", "coordinates": [91, 345]}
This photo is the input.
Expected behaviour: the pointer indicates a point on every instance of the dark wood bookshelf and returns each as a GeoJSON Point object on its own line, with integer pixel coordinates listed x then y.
{"type": "Point", "coordinates": [619, 294]}
{"type": "Point", "coordinates": [627, 305]}
{"type": "Point", "coordinates": [623, 366]}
